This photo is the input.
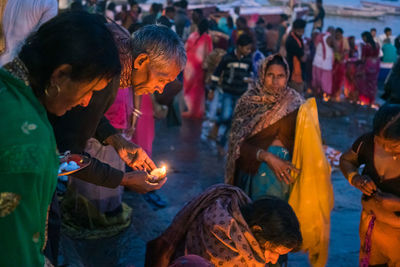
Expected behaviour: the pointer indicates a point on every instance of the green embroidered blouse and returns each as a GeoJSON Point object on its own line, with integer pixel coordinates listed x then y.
{"type": "Point", "coordinates": [28, 173]}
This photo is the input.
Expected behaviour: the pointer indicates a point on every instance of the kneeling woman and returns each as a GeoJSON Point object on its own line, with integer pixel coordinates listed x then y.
{"type": "Point", "coordinates": [275, 149]}
{"type": "Point", "coordinates": [223, 226]}
{"type": "Point", "coordinates": [380, 185]}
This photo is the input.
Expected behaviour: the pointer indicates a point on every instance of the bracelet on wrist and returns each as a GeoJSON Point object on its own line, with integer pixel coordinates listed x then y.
{"type": "Point", "coordinates": [136, 113]}
{"type": "Point", "coordinates": [351, 176]}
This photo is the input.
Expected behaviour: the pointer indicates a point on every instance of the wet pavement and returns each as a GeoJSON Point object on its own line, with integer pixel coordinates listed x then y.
{"type": "Point", "coordinates": [193, 165]}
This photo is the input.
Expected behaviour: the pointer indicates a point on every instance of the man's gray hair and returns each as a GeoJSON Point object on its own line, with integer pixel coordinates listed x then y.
{"type": "Point", "coordinates": [161, 44]}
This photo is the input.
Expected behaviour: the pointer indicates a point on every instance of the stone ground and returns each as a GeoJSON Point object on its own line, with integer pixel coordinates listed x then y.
{"type": "Point", "coordinates": [194, 165]}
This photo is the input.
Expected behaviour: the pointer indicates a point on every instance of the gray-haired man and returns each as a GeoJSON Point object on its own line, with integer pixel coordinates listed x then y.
{"type": "Point", "coordinates": [153, 57]}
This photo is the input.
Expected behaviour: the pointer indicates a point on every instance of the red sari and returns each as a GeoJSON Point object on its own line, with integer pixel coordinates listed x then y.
{"type": "Point", "coordinates": [368, 74]}
{"type": "Point", "coordinates": [197, 49]}
{"type": "Point", "coordinates": [339, 67]}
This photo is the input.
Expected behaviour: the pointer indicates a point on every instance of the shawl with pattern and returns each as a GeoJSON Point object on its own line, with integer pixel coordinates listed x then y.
{"type": "Point", "coordinates": [257, 109]}
{"type": "Point", "coordinates": [211, 226]}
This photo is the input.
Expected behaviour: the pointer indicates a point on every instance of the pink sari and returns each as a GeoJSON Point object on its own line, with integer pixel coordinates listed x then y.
{"type": "Point", "coordinates": [119, 115]}
{"type": "Point", "coordinates": [368, 82]}
{"type": "Point", "coordinates": [118, 112]}
{"type": "Point", "coordinates": [339, 68]}
{"type": "Point", "coordinates": [144, 133]}
{"type": "Point", "coordinates": [197, 49]}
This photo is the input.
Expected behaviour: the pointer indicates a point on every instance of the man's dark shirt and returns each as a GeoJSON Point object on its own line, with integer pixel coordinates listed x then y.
{"type": "Point", "coordinates": [233, 71]}
{"type": "Point", "coordinates": [163, 20]}
{"type": "Point", "coordinates": [149, 19]}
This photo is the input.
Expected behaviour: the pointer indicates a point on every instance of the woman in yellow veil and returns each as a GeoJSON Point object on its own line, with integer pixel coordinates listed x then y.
{"type": "Point", "coordinates": [275, 149]}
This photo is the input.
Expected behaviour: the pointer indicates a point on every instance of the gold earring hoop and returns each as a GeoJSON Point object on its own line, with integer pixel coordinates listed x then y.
{"type": "Point", "coordinates": [46, 92]}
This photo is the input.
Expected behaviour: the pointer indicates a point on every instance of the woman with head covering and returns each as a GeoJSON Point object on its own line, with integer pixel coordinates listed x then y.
{"type": "Point", "coordinates": [275, 149]}
{"type": "Point", "coordinates": [223, 226]}
{"type": "Point", "coordinates": [379, 182]}
{"type": "Point", "coordinates": [59, 67]}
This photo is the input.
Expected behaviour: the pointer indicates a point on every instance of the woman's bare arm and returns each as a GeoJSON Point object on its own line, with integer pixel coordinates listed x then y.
{"type": "Point", "coordinates": [349, 163]}
{"type": "Point", "coordinates": [349, 166]}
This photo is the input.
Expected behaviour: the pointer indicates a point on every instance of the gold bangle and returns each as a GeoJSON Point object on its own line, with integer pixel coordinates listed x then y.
{"type": "Point", "coordinates": [350, 177]}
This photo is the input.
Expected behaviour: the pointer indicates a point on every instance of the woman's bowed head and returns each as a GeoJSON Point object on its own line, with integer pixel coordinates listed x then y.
{"type": "Point", "coordinates": [68, 59]}
{"type": "Point", "coordinates": [226, 228]}
{"type": "Point", "coordinates": [275, 226]}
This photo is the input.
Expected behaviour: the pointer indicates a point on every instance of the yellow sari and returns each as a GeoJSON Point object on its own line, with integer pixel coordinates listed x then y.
{"type": "Point", "coordinates": [312, 194]}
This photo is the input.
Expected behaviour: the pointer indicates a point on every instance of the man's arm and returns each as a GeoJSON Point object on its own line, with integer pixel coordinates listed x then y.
{"type": "Point", "coordinates": [100, 173]}
{"type": "Point", "coordinates": [104, 130]}
{"type": "Point", "coordinates": [216, 76]}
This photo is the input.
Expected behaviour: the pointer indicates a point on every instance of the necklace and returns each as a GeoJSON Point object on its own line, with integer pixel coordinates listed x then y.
{"type": "Point", "coordinates": [18, 69]}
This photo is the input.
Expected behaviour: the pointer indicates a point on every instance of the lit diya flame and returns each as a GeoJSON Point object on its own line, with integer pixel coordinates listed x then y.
{"type": "Point", "coordinates": [159, 172]}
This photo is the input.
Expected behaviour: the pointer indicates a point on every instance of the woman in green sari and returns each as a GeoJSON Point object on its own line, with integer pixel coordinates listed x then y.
{"type": "Point", "coordinates": [59, 67]}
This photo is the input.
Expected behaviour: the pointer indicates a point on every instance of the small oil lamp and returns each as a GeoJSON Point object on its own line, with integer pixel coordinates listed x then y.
{"type": "Point", "coordinates": [160, 173]}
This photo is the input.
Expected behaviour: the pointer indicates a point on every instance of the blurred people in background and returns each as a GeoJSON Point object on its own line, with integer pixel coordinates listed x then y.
{"type": "Point", "coordinates": [261, 36]}
{"type": "Point", "coordinates": [111, 11]}
{"type": "Point", "coordinates": [236, 13]}
{"type": "Point", "coordinates": [319, 16]}
{"type": "Point", "coordinates": [129, 16]}
{"type": "Point", "coordinates": [224, 27]}
{"type": "Point", "coordinates": [242, 28]}
{"type": "Point", "coordinates": [373, 33]}
{"type": "Point", "coordinates": [182, 21]}
{"type": "Point", "coordinates": [232, 75]}
{"type": "Point", "coordinates": [386, 35]}
{"type": "Point", "coordinates": [295, 55]}
{"type": "Point", "coordinates": [197, 16]}
{"type": "Point", "coordinates": [389, 52]}
{"type": "Point", "coordinates": [352, 70]}
{"type": "Point", "coordinates": [271, 37]}
{"type": "Point", "coordinates": [198, 47]}
{"type": "Point", "coordinates": [341, 50]}
{"type": "Point", "coordinates": [151, 18]}
{"type": "Point", "coordinates": [323, 64]}
{"type": "Point", "coordinates": [282, 28]}
{"type": "Point", "coordinates": [391, 87]}
{"type": "Point", "coordinates": [168, 18]}
{"type": "Point", "coordinates": [370, 66]}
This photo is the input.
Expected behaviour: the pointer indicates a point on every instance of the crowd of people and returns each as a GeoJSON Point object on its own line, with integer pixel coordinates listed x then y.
{"type": "Point", "coordinates": [91, 78]}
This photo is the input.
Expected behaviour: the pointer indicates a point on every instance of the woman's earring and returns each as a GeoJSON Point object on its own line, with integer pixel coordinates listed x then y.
{"type": "Point", "coordinates": [46, 92]}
